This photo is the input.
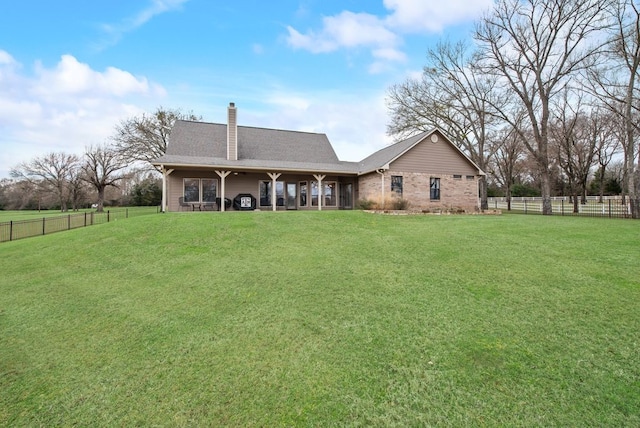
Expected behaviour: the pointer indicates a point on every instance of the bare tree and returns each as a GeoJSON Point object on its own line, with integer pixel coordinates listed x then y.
{"type": "Point", "coordinates": [574, 135]}
{"type": "Point", "coordinates": [77, 188]}
{"type": "Point", "coordinates": [508, 163]}
{"type": "Point", "coordinates": [102, 169]}
{"type": "Point", "coordinates": [536, 47]}
{"type": "Point", "coordinates": [616, 82]}
{"type": "Point", "coordinates": [453, 96]}
{"type": "Point", "coordinates": [144, 138]}
{"type": "Point", "coordinates": [606, 127]}
{"type": "Point", "coordinates": [54, 169]}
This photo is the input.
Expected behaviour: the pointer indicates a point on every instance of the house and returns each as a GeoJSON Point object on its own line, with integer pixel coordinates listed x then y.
{"type": "Point", "coordinates": [258, 168]}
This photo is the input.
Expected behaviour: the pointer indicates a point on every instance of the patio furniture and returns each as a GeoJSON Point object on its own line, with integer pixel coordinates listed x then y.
{"type": "Point", "coordinates": [184, 204]}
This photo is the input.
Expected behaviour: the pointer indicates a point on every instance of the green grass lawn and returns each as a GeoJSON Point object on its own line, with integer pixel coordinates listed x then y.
{"type": "Point", "coordinates": [323, 319]}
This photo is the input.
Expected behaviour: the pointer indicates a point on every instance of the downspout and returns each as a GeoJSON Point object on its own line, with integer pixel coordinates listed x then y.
{"type": "Point", "coordinates": [479, 199]}
{"type": "Point", "coordinates": [164, 189]}
{"type": "Point", "coordinates": [381, 172]}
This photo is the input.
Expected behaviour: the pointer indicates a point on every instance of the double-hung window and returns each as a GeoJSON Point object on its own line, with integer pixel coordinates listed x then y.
{"type": "Point", "coordinates": [303, 193]}
{"type": "Point", "coordinates": [208, 190]}
{"type": "Point", "coordinates": [434, 185]}
{"type": "Point", "coordinates": [330, 193]}
{"type": "Point", "coordinates": [192, 190]}
{"type": "Point", "coordinates": [196, 190]}
{"type": "Point", "coordinates": [396, 184]}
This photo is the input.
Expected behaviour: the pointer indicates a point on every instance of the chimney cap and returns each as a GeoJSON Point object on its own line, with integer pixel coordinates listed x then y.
{"type": "Point", "coordinates": [232, 104]}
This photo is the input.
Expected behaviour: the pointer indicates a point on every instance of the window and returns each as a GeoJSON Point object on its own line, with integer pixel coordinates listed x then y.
{"type": "Point", "coordinates": [434, 185]}
{"type": "Point", "coordinates": [457, 177]}
{"type": "Point", "coordinates": [396, 184]}
{"type": "Point", "coordinates": [314, 193]}
{"type": "Point", "coordinates": [471, 177]}
{"type": "Point", "coordinates": [194, 187]}
{"type": "Point", "coordinates": [192, 190]}
{"type": "Point", "coordinates": [280, 193]}
{"type": "Point", "coordinates": [330, 193]}
{"type": "Point", "coordinates": [208, 190]}
{"type": "Point", "coordinates": [265, 193]}
{"type": "Point", "coordinates": [303, 193]}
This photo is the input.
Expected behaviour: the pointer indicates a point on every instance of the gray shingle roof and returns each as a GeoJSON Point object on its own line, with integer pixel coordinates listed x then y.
{"type": "Point", "coordinates": [200, 139]}
{"type": "Point", "coordinates": [205, 144]}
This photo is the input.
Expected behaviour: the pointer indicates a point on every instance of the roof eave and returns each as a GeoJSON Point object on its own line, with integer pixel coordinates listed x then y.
{"type": "Point", "coordinates": [252, 168]}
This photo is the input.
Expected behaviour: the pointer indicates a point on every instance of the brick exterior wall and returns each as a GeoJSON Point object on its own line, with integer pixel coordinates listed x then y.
{"type": "Point", "coordinates": [455, 193]}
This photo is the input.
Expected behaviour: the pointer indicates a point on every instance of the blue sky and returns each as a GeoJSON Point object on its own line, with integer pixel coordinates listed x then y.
{"type": "Point", "coordinates": [70, 70]}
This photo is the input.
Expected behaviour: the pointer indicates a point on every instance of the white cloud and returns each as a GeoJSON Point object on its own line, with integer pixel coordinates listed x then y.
{"type": "Point", "coordinates": [115, 32]}
{"type": "Point", "coordinates": [6, 58]}
{"type": "Point", "coordinates": [73, 77]}
{"type": "Point", "coordinates": [411, 16]}
{"type": "Point", "coordinates": [65, 108]}
{"type": "Point", "coordinates": [383, 35]}
{"type": "Point", "coordinates": [328, 113]}
{"type": "Point", "coordinates": [348, 29]}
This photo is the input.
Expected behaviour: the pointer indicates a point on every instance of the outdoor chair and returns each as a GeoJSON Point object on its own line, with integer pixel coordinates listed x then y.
{"type": "Point", "coordinates": [184, 204]}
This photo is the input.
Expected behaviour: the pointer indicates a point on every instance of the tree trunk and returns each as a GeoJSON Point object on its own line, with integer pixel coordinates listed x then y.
{"type": "Point", "coordinates": [484, 203]}
{"type": "Point", "coordinates": [634, 195]}
{"type": "Point", "coordinates": [545, 189]}
{"type": "Point", "coordinates": [101, 199]}
{"type": "Point", "coordinates": [601, 194]}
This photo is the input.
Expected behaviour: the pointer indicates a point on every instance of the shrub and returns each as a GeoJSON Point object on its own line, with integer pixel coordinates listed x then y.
{"type": "Point", "coordinates": [399, 204]}
{"type": "Point", "coordinates": [365, 204]}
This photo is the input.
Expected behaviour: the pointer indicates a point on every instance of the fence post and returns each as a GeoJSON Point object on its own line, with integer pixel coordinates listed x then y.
{"type": "Point", "coordinates": [126, 213]}
{"type": "Point", "coordinates": [108, 215]}
{"type": "Point", "coordinates": [525, 206]}
{"type": "Point", "coordinates": [562, 205]}
{"type": "Point", "coordinates": [69, 222]}
{"type": "Point", "coordinates": [43, 223]}
{"type": "Point", "coordinates": [609, 208]}
{"type": "Point", "coordinates": [11, 230]}
{"type": "Point", "coordinates": [85, 219]}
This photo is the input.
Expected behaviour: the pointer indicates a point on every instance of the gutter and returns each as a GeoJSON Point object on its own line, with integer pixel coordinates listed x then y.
{"type": "Point", "coordinates": [256, 168]}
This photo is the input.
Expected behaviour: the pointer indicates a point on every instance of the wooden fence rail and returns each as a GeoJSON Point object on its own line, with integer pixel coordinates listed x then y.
{"type": "Point", "coordinates": [609, 208]}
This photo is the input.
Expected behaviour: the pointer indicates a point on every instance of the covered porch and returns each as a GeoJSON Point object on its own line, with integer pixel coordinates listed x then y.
{"type": "Point", "coordinates": [205, 189]}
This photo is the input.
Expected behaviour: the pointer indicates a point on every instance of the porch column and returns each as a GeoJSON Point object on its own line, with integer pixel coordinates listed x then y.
{"type": "Point", "coordinates": [274, 176]}
{"type": "Point", "coordinates": [222, 175]}
{"type": "Point", "coordinates": [319, 177]}
{"type": "Point", "coordinates": [165, 174]}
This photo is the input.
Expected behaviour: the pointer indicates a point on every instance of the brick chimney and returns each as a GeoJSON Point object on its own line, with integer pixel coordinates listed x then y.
{"type": "Point", "coordinates": [232, 132]}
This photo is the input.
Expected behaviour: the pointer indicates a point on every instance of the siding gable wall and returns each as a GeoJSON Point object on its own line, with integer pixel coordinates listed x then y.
{"type": "Point", "coordinates": [433, 158]}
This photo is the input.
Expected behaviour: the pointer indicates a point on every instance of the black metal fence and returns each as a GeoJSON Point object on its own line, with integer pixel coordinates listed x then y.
{"type": "Point", "coordinates": [18, 229]}
{"type": "Point", "coordinates": [608, 208]}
